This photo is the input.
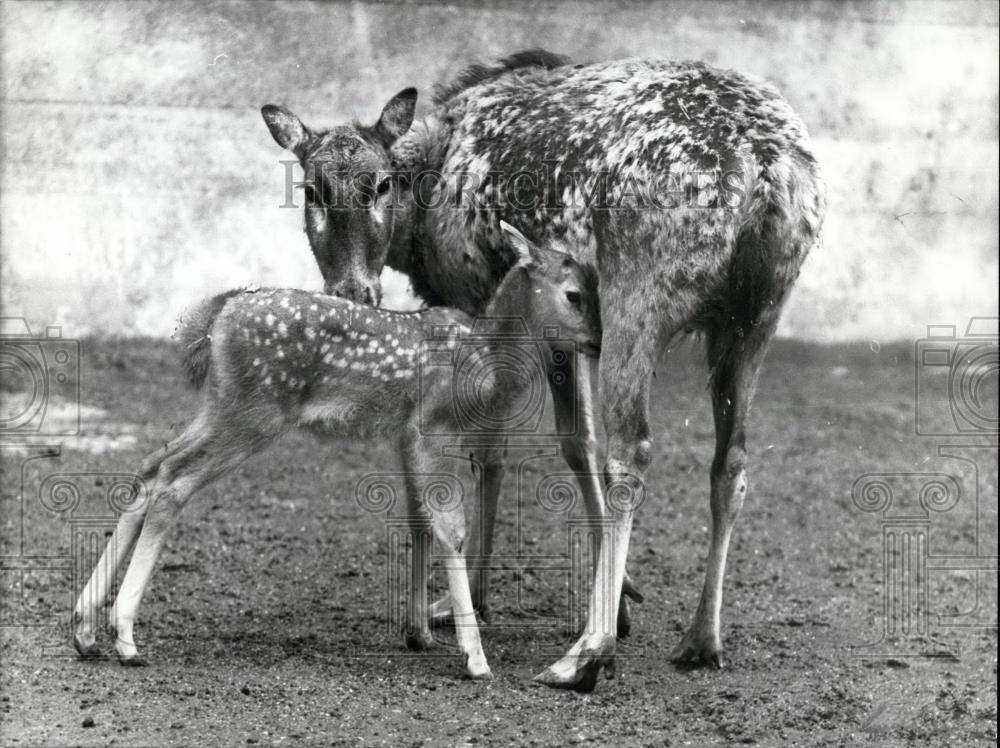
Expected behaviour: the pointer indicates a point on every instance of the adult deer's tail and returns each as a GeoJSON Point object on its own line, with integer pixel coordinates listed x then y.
{"type": "Point", "coordinates": [194, 334]}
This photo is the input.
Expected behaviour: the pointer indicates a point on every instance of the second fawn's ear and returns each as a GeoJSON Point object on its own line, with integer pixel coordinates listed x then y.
{"type": "Point", "coordinates": [286, 129]}
{"type": "Point", "coordinates": [527, 253]}
{"type": "Point", "coordinates": [397, 116]}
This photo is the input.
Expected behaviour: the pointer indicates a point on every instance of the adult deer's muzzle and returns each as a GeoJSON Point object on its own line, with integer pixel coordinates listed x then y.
{"type": "Point", "coordinates": [358, 291]}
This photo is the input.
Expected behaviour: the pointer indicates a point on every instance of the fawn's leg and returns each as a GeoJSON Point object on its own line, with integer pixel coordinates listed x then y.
{"type": "Point", "coordinates": [443, 514]}
{"type": "Point", "coordinates": [449, 529]}
{"type": "Point", "coordinates": [572, 401]}
{"type": "Point", "coordinates": [209, 454]}
{"type": "Point", "coordinates": [95, 593]}
{"type": "Point", "coordinates": [629, 351]}
{"type": "Point", "coordinates": [491, 461]}
{"type": "Point", "coordinates": [417, 632]}
{"type": "Point", "coordinates": [735, 361]}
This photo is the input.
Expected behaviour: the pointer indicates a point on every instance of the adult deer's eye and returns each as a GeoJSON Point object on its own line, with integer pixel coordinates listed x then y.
{"type": "Point", "coordinates": [573, 297]}
{"type": "Point", "coordinates": [383, 186]}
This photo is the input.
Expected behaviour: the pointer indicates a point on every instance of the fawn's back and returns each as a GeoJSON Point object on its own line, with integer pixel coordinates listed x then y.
{"type": "Point", "coordinates": [284, 358]}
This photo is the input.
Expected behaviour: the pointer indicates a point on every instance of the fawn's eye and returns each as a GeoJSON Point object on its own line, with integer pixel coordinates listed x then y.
{"type": "Point", "coordinates": [573, 297]}
{"type": "Point", "coordinates": [383, 186]}
{"type": "Point", "coordinates": [310, 194]}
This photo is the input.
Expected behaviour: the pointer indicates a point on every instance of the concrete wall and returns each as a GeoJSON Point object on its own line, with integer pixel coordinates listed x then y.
{"type": "Point", "coordinates": [137, 174]}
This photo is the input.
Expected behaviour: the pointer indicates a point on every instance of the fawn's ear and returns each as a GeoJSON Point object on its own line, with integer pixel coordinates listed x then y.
{"type": "Point", "coordinates": [286, 129]}
{"type": "Point", "coordinates": [527, 253]}
{"type": "Point", "coordinates": [397, 116]}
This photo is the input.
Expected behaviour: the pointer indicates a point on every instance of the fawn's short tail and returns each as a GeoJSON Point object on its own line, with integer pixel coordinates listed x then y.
{"type": "Point", "coordinates": [194, 334]}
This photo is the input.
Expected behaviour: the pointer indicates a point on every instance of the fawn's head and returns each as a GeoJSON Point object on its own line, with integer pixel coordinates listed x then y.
{"type": "Point", "coordinates": [552, 290]}
{"type": "Point", "coordinates": [351, 193]}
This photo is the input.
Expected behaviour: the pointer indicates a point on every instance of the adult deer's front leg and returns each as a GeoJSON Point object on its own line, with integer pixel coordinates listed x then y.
{"type": "Point", "coordinates": [572, 400]}
{"type": "Point", "coordinates": [626, 365]}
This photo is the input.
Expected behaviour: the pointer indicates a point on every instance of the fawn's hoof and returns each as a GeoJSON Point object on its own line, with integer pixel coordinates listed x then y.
{"type": "Point", "coordinates": [418, 641]}
{"type": "Point", "coordinates": [580, 672]}
{"type": "Point", "coordinates": [84, 649]}
{"type": "Point", "coordinates": [698, 651]}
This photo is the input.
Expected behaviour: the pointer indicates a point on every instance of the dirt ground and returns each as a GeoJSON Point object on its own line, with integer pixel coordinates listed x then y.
{"type": "Point", "coordinates": [270, 618]}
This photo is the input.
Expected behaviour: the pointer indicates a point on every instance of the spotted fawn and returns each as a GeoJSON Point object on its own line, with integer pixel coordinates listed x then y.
{"type": "Point", "coordinates": [271, 360]}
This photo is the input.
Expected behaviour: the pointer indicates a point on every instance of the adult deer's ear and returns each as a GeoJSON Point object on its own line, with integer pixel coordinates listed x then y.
{"type": "Point", "coordinates": [286, 129]}
{"type": "Point", "coordinates": [527, 253]}
{"type": "Point", "coordinates": [397, 116]}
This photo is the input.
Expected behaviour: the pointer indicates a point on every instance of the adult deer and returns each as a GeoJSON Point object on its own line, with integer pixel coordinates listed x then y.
{"type": "Point", "coordinates": [691, 189]}
{"type": "Point", "coordinates": [275, 359]}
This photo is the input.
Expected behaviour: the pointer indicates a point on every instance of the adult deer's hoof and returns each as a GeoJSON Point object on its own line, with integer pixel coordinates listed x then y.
{"type": "Point", "coordinates": [698, 651]}
{"type": "Point", "coordinates": [580, 672]}
{"type": "Point", "coordinates": [86, 650]}
{"type": "Point", "coordinates": [477, 668]}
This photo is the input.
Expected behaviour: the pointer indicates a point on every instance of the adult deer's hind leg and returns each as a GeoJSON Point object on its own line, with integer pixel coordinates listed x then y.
{"type": "Point", "coordinates": [735, 356]}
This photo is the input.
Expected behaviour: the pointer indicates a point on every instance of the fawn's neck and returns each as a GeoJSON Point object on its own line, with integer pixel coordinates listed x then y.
{"type": "Point", "coordinates": [512, 303]}
{"type": "Point", "coordinates": [509, 315]}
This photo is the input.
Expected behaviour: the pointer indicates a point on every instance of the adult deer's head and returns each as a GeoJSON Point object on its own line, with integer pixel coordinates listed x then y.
{"type": "Point", "coordinates": [352, 196]}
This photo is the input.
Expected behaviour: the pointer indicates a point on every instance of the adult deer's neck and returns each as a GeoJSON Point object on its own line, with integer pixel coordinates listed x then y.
{"type": "Point", "coordinates": [445, 266]}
